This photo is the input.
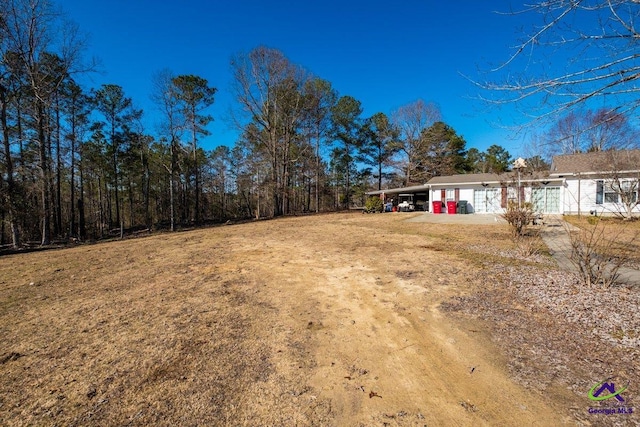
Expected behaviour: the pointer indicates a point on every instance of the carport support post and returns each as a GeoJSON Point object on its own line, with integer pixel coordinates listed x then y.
{"type": "Point", "coordinates": [578, 174]}
{"type": "Point", "coordinates": [519, 201]}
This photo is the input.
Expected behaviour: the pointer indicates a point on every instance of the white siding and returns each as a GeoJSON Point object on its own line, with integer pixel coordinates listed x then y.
{"type": "Point", "coordinates": [468, 193]}
{"type": "Point", "coordinates": [580, 197]}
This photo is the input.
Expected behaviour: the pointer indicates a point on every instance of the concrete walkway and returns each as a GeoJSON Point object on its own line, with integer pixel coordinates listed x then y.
{"type": "Point", "coordinates": [555, 235]}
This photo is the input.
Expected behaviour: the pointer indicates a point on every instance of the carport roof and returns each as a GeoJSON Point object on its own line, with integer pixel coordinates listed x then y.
{"type": "Point", "coordinates": [413, 189]}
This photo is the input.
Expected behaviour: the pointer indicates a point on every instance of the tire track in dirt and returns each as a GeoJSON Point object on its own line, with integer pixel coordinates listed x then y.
{"type": "Point", "coordinates": [385, 354]}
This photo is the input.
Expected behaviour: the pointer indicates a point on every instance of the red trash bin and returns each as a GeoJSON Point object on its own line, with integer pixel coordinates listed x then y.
{"type": "Point", "coordinates": [451, 207]}
{"type": "Point", "coordinates": [437, 207]}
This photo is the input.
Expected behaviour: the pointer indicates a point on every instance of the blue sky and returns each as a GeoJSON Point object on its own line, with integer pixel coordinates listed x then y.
{"type": "Point", "coordinates": [385, 54]}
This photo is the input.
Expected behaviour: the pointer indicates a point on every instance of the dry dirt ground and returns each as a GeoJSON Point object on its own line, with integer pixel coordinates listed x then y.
{"type": "Point", "coordinates": [330, 320]}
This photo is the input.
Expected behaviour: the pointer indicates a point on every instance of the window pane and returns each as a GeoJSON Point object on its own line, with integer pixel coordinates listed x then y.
{"type": "Point", "coordinates": [610, 198]}
{"type": "Point", "coordinates": [631, 197]}
{"type": "Point", "coordinates": [450, 194]}
{"type": "Point", "coordinates": [599, 192]}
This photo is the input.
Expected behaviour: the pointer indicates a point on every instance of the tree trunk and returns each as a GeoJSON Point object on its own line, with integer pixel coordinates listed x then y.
{"type": "Point", "coordinates": [196, 167]}
{"type": "Point", "coordinates": [116, 184]}
{"type": "Point", "coordinates": [11, 187]}
{"type": "Point", "coordinates": [44, 170]}
{"type": "Point", "coordinates": [317, 169]}
{"type": "Point", "coordinates": [131, 204]}
{"type": "Point", "coordinates": [58, 210]}
{"type": "Point", "coordinates": [102, 207]}
{"type": "Point", "coordinates": [171, 186]}
{"type": "Point", "coordinates": [72, 188]}
{"type": "Point", "coordinates": [146, 190]}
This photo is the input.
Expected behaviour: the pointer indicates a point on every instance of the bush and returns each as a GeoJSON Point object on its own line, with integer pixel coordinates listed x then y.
{"type": "Point", "coordinates": [529, 245]}
{"type": "Point", "coordinates": [519, 217]}
{"type": "Point", "coordinates": [373, 204]}
{"type": "Point", "coordinates": [599, 253]}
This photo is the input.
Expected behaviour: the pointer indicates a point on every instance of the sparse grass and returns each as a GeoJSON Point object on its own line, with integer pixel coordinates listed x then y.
{"type": "Point", "coordinates": [225, 326]}
{"type": "Point", "coordinates": [165, 330]}
{"type": "Point", "coordinates": [620, 238]}
{"type": "Point", "coordinates": [626, 229]}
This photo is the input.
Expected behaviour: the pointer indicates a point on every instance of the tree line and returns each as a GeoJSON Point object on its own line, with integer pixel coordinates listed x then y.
{"type": "Point", "coordinates": [78, 162]}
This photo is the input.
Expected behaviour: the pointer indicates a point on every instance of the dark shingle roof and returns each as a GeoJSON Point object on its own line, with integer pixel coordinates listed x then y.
{"type": "Point", "coordinates": [601, 161]}
{"type": "Point", "coordinates": [399, 190]}
{"type": "Point", "coordinates": [466, 178]}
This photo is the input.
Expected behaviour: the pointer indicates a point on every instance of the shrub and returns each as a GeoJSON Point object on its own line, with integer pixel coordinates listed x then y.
{"type": "Point", "coordinates": [519, 217]}
{"type": "Point", "coordinates": [599, 253]}
{"type": "Point", "coordinates": [529, 244]}
{"type": "Point", "coordinates": [373, 204]}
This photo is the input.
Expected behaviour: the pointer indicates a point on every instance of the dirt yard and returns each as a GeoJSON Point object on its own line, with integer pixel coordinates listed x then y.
{"type": "Point", "coordinates": [330, 320]}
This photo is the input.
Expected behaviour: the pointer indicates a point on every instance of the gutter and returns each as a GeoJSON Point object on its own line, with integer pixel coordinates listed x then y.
{"type": "Point", "coordinates": [561, 179]}
{"type": "Point", "coordinates": [563, 174]}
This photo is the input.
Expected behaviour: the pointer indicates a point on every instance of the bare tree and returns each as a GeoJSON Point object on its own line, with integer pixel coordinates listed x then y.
{"type": "Point", "coordinates": [11, 192]}
{"type": "Point", "coordinates": [268, 88]}
{"type": "Point", "coordinates": [599, 253]}
{"type": "Point", "coordinates": [30, 32]}
{"type": "Point", "coordinates": [593, 46]}
{"type": "Point", "coordinates": [591, 130]}
{"type": "Point", "coordinates": [411, 120]}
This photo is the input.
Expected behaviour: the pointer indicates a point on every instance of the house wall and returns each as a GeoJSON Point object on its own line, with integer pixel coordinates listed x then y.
{"type": "Point", "coordinates": [491, 197]}
{"type": "Point", "coordinates": [579, 196]}
{"type": "Point", "coordinates": [465, 193]}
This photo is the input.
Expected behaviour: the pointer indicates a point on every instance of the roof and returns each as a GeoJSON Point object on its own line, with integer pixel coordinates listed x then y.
{"type": "Point", "coordinates": [413, 189]}
{"type": "Point", "coordinates": [599, 161]}
{"type": "Point", "coordinates": [506, 178]}
{"type": "Point", "coordinates": [468, 178]}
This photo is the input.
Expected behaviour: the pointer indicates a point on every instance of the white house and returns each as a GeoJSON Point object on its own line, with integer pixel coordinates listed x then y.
{"type": "Point", "coordinates": [597, 183]}
{"type": "Point", "coordinates": [490, 193]}
{"type": "Point", "coordinates": [606, 182]}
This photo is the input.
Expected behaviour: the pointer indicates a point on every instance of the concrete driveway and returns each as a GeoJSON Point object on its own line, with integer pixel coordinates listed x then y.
{"type": "Point", "coordinates": [454, 218]}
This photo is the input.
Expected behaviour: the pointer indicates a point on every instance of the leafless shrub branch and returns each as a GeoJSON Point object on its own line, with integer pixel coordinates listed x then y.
{"type": "Point", "coordinates": [519, 216]}
{"type": "Point", "coordinates": [599, 253]}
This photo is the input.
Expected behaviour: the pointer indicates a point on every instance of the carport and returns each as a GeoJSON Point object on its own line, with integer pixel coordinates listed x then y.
{"type": "Point", "coordinates": [417, 196]}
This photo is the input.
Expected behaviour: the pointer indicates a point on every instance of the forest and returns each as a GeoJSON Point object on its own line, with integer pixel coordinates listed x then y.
{"type": "Point", "coordinates": [77, 162]}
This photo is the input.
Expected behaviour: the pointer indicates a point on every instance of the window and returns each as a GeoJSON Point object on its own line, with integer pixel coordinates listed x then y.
{"type": "Point", "coordinates": [630, 190]}
{"type": "Point", "coordinates": [546, 199]}
{"type": "Point", "coordinates": [610, 192]}
{"type": "Point", "coordinates": [451, 195]}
